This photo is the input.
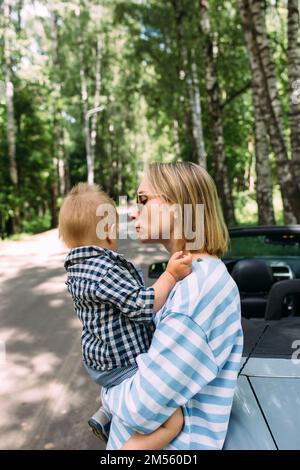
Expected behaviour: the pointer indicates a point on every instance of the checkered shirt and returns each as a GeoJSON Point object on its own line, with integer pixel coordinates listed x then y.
{"type": "Point", "coordinates": [113, 305]}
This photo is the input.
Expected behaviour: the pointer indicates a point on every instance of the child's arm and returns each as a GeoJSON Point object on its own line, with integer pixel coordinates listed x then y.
{"type": "Point", "coordinates": [158, 439]}
{"type": "Point", "coordinates": [138, 302]}
{"type": "Point", "coordinates": [179, 266]}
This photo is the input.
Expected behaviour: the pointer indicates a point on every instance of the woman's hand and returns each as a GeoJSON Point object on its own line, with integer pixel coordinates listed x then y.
{"type": "Point", "coordinates": [180, 265]}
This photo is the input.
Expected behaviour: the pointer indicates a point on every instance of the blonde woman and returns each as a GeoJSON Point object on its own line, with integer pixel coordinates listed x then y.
{"type": "Point", "coordinates": [194, 357]}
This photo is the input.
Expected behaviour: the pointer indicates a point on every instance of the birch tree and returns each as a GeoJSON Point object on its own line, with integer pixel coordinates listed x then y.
{"type": "Point", "coordinates": [58, 140]}
{"type": "Point", "coordinates": [258, 47]}
{"type": "Point", "coordinates": [264, 191]}
{"type": "Point", "coordinates": [9, 38]}
{"type": "Point", "coordinates": [96, 106]}
{"type": "Point", "coordinates": [293, 55]}
{"type": "Point", "coordinates": [90, 103]}
{"type": "Point", "coordinates": [195, 100]}
{"type": "Point", "coordinates": [215, 114]}
{"type": "Point", "coordinates": [189, 68]}
{"type": "Point", "coordinates": [264, 185]}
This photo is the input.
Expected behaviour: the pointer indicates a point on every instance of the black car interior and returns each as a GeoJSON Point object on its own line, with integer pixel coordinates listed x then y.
{"type": "Point", "coordinates": [265, 264]}
{"type": "Point", "coordinates": [264, 293]}
{"type": "Point", "coordinates": [277, 296]}
{"type": "Point", "coordinates": [254, 280]}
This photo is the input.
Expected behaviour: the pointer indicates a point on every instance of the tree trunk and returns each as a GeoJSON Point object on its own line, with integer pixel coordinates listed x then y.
{"type": "Point", "coordinates": [194, 92]}
{"type": "Point", "coordinates": [94, 119]}
{"type": "Point", "coordinates": [90, 136]}
{"type": "Point", "coordinates": [9, 96]}
{"type": "Point", "coordinates": [192, 85]}
{"type": "Point", "coordinates": [263, 72]}
{"type": "Point", "coordinates": [53, 200]}
{"type": "Point", "coordinates": [263, 169]}
{"type": "Point", "coordinates": [176, 140]}
{"type": "Point", "coordinates": [262, 164]}
{"type": "Point", "coordinates": [214, 105]}
{"type": "Point", "coordinates": [294, 83]}
{"type": "Point", "coordinates": [59, 152]}
{"type": "Point", "coordinates": [84, 101]}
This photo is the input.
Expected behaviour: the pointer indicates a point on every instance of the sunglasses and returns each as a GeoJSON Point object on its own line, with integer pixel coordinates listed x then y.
{"type": "Point", "coordinates": [143, 198]}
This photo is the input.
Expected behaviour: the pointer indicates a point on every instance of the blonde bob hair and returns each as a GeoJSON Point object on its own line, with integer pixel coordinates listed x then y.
{"type": "Point", "coordinates": [185, 183]}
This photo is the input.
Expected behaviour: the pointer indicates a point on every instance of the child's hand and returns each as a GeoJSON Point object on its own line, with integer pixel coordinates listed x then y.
{"type": "Point", "coordinates": [180, 265]}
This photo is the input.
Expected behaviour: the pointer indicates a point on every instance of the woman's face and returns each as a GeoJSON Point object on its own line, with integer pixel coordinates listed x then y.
{"type": "Point", "coordinates": [155, 218]}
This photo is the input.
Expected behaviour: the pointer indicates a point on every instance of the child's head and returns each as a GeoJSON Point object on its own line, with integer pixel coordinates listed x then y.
{"type": "Point", "coordinates": [88, 216]}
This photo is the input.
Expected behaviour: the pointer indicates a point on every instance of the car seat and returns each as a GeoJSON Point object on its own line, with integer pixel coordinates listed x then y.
{"type": "Point", "coordinates": [254, 280]}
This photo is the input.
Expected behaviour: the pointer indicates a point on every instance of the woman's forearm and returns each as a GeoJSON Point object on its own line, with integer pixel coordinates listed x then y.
{"type": "Point", "coordinates": [157, 440]}
{"type": "Point", "coordinates": [160, 438]}
{"type": "Point", "coordinates": [178, 364]}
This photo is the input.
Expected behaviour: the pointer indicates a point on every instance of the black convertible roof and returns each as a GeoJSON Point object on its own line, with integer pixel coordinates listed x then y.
{"type": "Point", "coordinates": [270, 338]}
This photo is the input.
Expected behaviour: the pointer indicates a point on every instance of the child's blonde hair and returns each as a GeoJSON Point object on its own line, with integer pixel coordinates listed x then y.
{"type": "Point", "coordinates": [78, 217]}
{"type": "Point", "coordinates": [187, 183]}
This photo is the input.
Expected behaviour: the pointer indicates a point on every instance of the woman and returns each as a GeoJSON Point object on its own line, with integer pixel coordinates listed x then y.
{"type": "Point", "coordinates": [195, 352]}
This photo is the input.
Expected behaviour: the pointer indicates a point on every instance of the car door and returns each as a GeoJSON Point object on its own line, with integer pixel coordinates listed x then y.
{"type": "Point", "coordinates": [266, 408]}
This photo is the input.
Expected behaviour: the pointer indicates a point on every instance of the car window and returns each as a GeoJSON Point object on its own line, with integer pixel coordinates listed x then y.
{"type": "Point", "coordinates": [264, 245]}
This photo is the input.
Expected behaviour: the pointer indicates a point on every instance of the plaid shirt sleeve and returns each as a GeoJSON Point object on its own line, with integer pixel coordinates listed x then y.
{"type": "Point", "coordinates": [119, 289]}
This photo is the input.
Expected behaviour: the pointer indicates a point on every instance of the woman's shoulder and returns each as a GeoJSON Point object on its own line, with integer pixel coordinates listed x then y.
{"type": "Point", "coordinates": [208, 283]}
{"type": "Point", "coordinates": [192, 285]}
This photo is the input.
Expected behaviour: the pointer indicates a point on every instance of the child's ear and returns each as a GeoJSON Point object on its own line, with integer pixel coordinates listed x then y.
{"type": "Point", "coordinates": [112, 233]}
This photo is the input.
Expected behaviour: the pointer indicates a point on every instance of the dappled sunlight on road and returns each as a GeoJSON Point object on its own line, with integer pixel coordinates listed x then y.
{"type": "Point", "coordinates": [56, 286]}
{"type": "Point", "coordinates": [44, 389]}
{"type": "Point", "coordinates": [46, 396]}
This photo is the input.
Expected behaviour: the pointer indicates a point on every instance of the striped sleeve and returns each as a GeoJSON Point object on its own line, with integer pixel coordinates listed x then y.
{"type": "Point", "coordinates": [177, 366]}
{"type": "Point", "coordinates": [133, 300]}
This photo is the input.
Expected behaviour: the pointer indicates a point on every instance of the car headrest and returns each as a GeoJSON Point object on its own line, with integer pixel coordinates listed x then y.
{"type": "Point", "coordinates": [252, 275]}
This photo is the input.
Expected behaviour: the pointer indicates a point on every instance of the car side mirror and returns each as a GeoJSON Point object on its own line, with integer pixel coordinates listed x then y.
{"type": "Point", "coordinates": [156, 269]}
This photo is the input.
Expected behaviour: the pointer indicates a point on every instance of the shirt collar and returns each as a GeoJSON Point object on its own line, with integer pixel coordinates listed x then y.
{"type": "Point", "coordinates": [81, 253]}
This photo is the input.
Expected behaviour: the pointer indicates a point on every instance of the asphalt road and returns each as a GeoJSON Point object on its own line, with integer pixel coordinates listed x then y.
{"type": "Point", "coordinates": [46, 396]}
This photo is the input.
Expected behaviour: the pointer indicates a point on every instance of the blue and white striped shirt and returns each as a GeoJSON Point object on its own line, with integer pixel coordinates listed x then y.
{"type": "Point", "coordinates": [113, 304]}
{"type": "Point", "coordinates": [193, 362]}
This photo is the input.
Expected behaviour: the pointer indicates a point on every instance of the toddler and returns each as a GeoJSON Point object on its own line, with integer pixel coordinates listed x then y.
{"type": "Point", "coordinates": [112, 302]}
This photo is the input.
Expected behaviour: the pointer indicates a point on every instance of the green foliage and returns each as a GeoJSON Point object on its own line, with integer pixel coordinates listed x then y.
{"type": "Point", "coordinates": [146, 112]}
{"type": "Point", "coordinates": [37, 224]}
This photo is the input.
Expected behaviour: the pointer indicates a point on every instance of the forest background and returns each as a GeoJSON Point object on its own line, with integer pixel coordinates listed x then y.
{"type": "Point", "coordinates": [94, 90]}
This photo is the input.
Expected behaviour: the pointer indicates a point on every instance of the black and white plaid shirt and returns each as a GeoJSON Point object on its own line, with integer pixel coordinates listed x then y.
{"type": "Point", "coordinates": [113, 304]}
